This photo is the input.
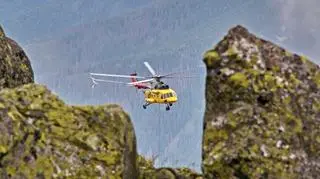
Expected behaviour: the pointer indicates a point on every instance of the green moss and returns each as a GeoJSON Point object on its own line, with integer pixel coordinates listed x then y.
{"type": "Point", "coordinates": [287, 100]}
{"type": "Point", "coordinates": [254, 73]}
{"type": "Point", "coordinates": [3, 149]}
{"type": "Point", "coordinates": [294, 122]}
{"type": "Point", "coordinates": [316, 105]}
{"type": "Point", "coordinates": [232, 120]}
{"type": "Point", "coordinates": [110, 158]}
{"type": "Point", "coordinates": [239, 79]}
{"type": "Point", "coordinates": [294, 81]}
{"type": "Point", "coordinates": [44, 166]}
{"type": "Point", "coordinates": [24, 67]}
{"type": "Point", "coordinates": [289, 54]}
{"type": "Point", "coordinates": [231, 52]}
{"type": "Point", "coordinates": [8, 61]}
{"type": "Point", "coordinates": [11, 171]}
{"type": "Point", "coordinates": [276, 69]}
{"type": "Point", "coordinates": [304, 59]}
{"type": "Point", "coordinates": [270, 82]}
{"type": "Point", "coordinates": [316, 79]}
{"type": "Point", "coordinates": [215, 135]}
{"type": "Point", "coordinates": [211, 57]}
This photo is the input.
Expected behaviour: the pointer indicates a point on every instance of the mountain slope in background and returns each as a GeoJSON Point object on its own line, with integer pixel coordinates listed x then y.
{"type": "Point", "coordinates": [262, 113]}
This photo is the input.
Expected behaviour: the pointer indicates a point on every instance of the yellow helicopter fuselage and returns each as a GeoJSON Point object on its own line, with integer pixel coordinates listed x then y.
{"type": "Point", "coordinates": [161, 96]}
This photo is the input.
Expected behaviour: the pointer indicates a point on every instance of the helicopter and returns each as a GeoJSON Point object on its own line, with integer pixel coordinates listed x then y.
{"type": "Point", "coordinates": [154, 89]}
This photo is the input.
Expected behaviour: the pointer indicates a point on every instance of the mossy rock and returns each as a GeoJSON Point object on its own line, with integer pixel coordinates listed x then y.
{"type": "Point", "coordinates": [211, 57]}
{"type": "Point", "coordinates": [262, 121]}
{"type": "Point", "coordinates": [148, 171]}
{"type": "Point", "coordinates": [15, 67]}
{"type": "Point", "coordinates": [42, 137]}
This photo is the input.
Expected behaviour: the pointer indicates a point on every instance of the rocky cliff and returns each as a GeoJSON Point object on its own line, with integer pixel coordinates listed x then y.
{"type": "Point", "coordinates": [42, 137]}
{"type": "Point", "coordinates": [15, 67]}
{"type": "Point", "coordinates": [262, 117]}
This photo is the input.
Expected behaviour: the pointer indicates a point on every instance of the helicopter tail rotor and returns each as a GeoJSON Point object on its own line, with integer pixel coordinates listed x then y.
{"type": "Point", "coordinates": [94, 82]}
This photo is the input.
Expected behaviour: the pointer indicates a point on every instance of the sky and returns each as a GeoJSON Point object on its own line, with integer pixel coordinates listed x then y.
{"type": "Point", "coordinates": [65, 40]}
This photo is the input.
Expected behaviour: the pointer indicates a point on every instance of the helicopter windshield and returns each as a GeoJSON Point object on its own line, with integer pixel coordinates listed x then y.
{"type": "Point", "coordinates": [161, 86]}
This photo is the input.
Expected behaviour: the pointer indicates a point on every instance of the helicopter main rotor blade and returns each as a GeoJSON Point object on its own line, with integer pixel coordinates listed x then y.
{"type": "Point", "coordinates": [108, 81]}
{"type": "Point", "coordinates": [142, 81]}
{"type": "Point", "coordinates": [114, 75]}
{"type": "Point", "coordinates": [179, 77]}
{"type": "Point", "coordinates": [175, 73]}
{"type": "Point", "coordinates": [150, 68]}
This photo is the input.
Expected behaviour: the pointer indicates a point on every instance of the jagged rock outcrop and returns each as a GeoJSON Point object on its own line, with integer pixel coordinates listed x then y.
{"type": "Point", "coordinates": [262, 117]}
{"type": "Point", "coordinates": [148, 171]}
{"type": "Point", "coordinates": [41, 137]}
{"type": "Point", "coordinates": [15, 68]}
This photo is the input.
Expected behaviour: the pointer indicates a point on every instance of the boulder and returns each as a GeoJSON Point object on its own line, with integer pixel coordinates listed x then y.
{"type": "Point", "coordinates": [262, 116]}
{"type": "Point", "coordinates": [15, 67]}
{"type": "Point", "coordinates": [42, 137]}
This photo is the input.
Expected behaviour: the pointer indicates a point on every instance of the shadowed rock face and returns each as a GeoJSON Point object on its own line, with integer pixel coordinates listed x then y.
{"type": "Point", "coordinates": [262, 114]}
{"type": "Point", "coordinates": [15, 68]}
{"type": "Point", "coordinates": [2, 34]}
{"type": "Point", "coordinates": [41, 136]}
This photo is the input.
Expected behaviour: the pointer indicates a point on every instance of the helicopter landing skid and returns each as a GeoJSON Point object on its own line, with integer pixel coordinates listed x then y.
{"type": "Point", "coordinates": [145, 105]}
{"type": "Point", "coordinates": [168, 107]}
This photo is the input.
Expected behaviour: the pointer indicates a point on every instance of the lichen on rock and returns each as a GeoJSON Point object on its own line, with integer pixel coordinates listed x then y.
{"type": "Point", "coordinates": [262, 113]}
{"type": "Point", "coordinates": [15, 67]}
{"type": "Point", "coordinates": [41, 136]}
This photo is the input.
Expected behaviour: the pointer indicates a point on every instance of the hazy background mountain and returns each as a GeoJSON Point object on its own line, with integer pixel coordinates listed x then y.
{"type": "Point", "coordinates": [67, 39]}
